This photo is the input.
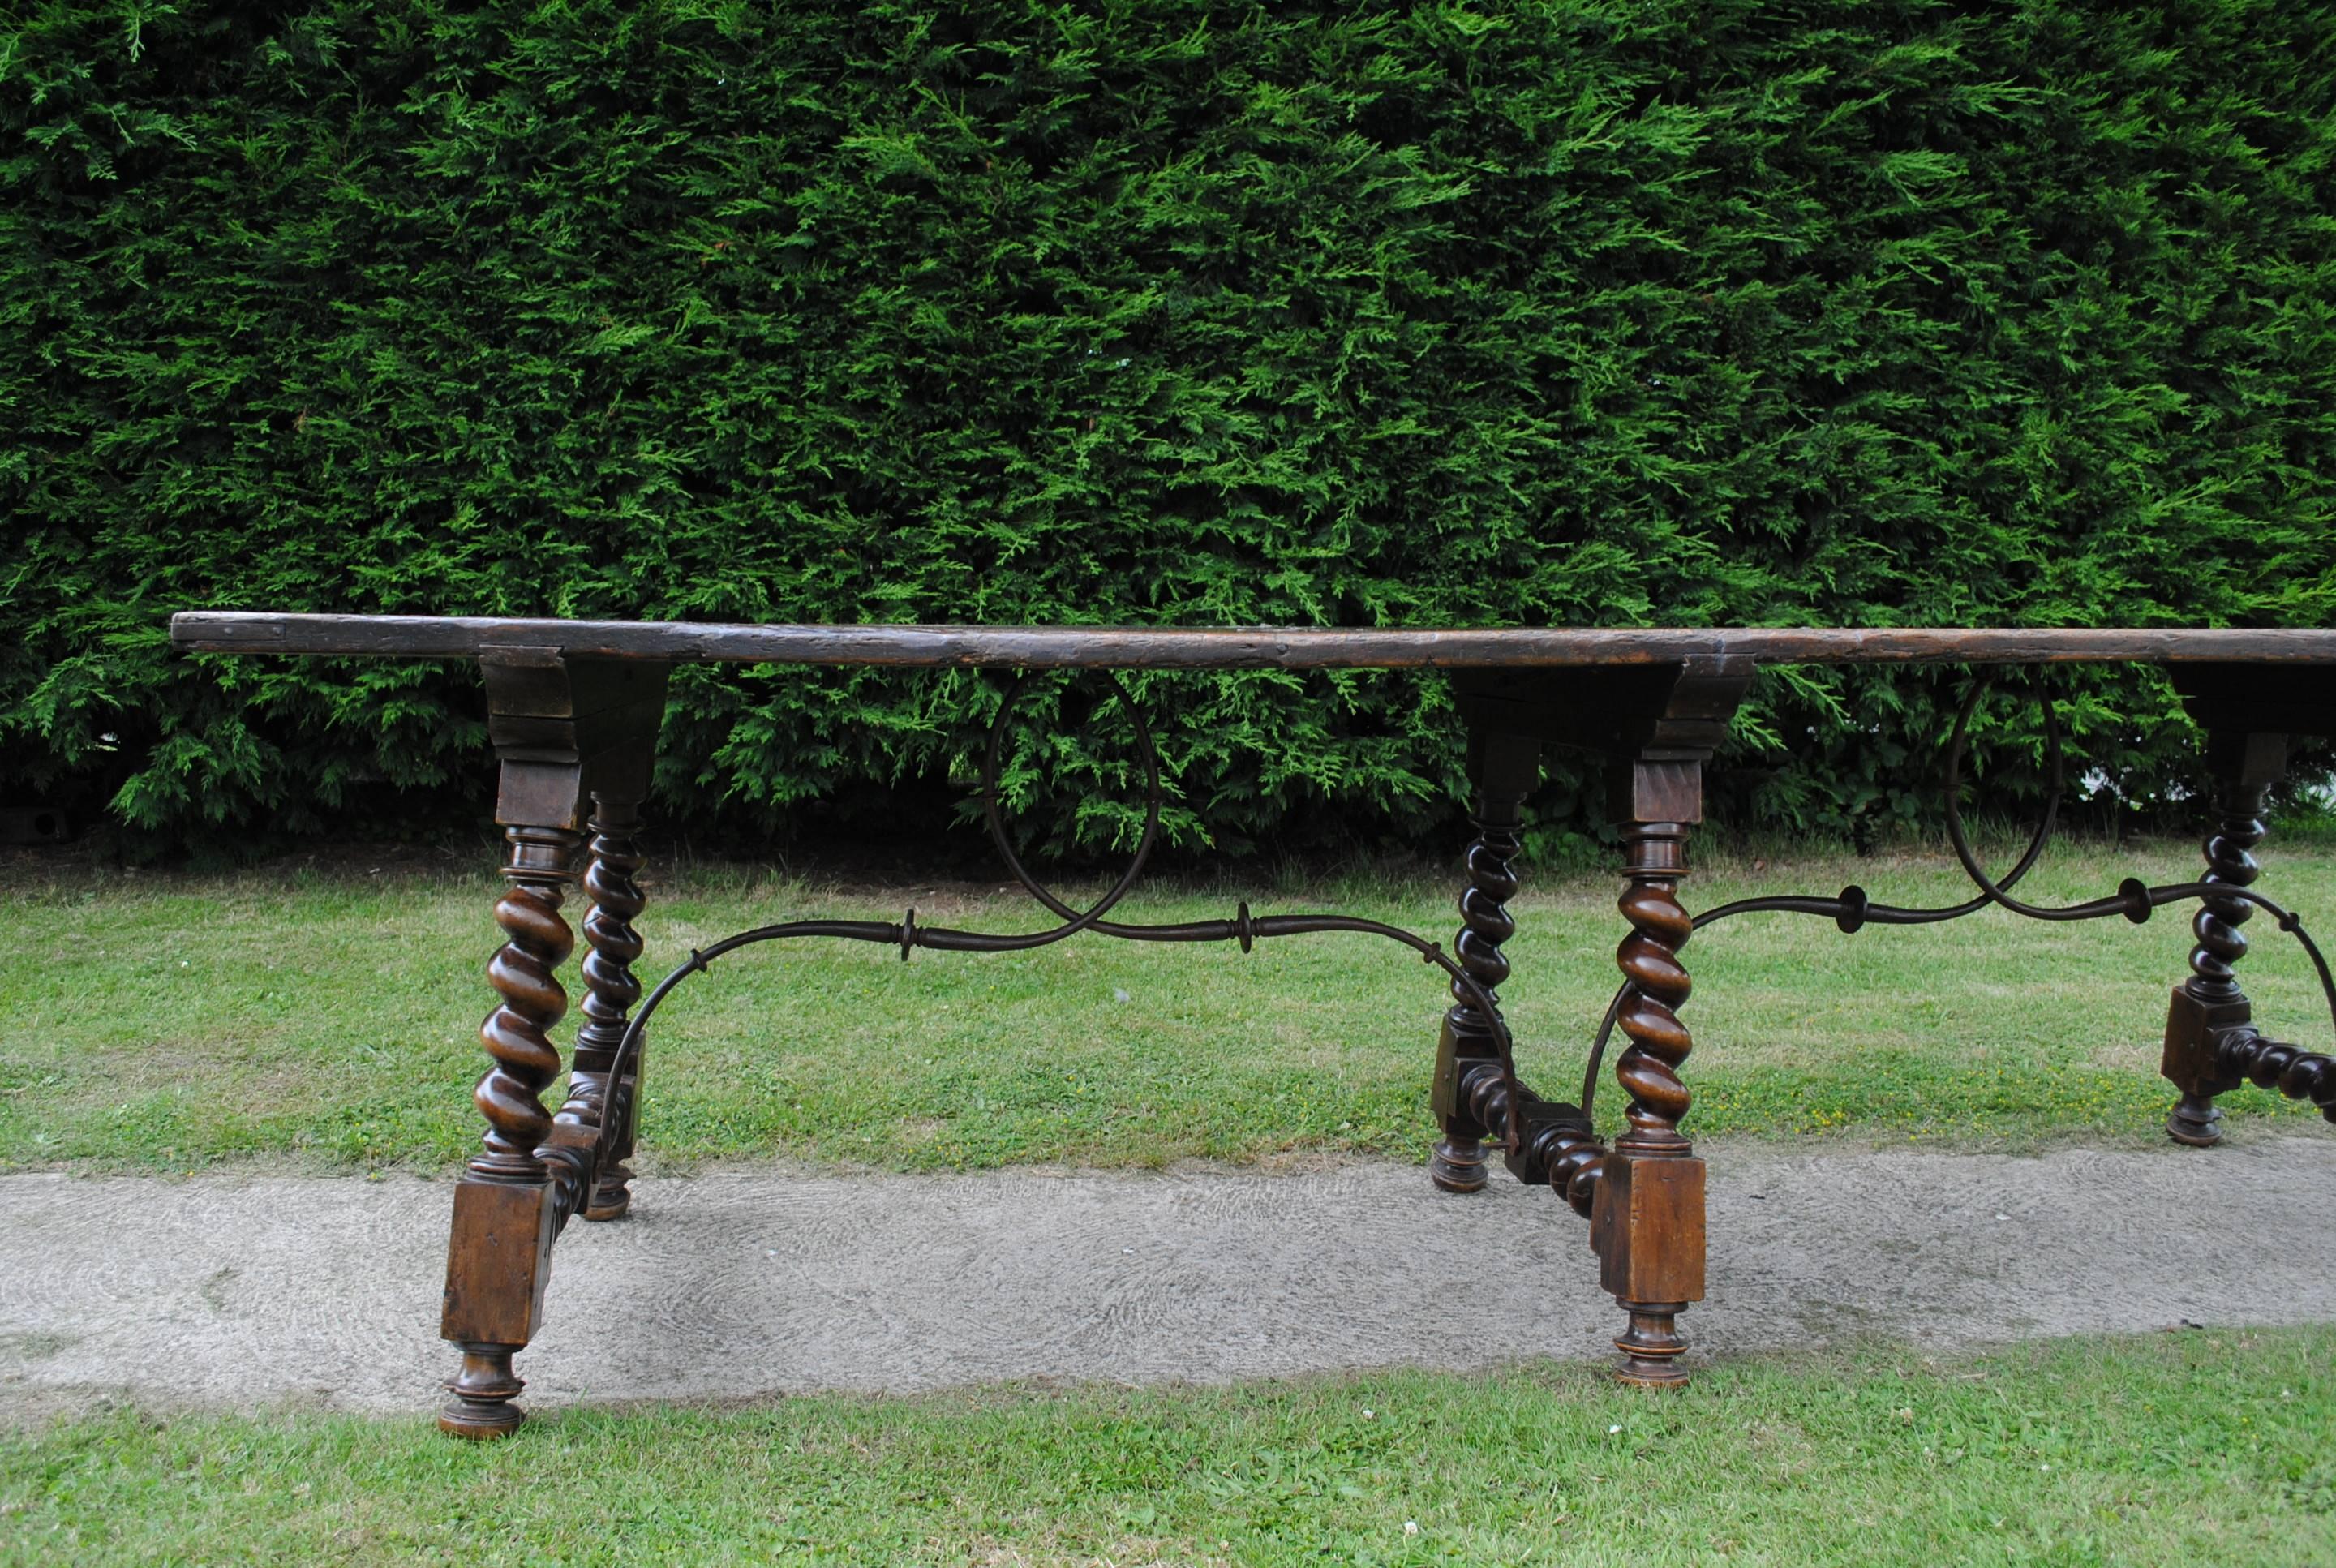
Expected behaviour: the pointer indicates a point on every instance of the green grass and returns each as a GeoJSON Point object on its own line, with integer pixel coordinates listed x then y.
{"type": "Point", "coordinates": [164, 1022]}
{"type": "Point", "coordinates": [2187, 1448]}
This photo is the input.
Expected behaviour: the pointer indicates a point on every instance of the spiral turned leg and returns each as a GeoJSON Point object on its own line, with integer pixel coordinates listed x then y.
{"type": "Point", "coordinates": [536, 942]}
{"type": "Point", "coordinates": [2208, 1008]}
{"type": "Point", "coordinates": [1506, 770]}
{"type": "Point", "coordinates": [1458, 1165]}
{"type": "Point", "coordinates": [499, 1259]}
{"type": "Point", "coordinates": [1647, 1222]}
{"type": "Point", "coordinates": [610, 990]}
{"type": "Point", "coordinates": [1649, 958]}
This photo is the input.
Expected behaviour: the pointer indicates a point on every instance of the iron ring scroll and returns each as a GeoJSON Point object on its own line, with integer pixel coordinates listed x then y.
{"type": "Point", "coordinates": [1244, 928]}
{"type": "Point", "coordinates": [1851, 908]}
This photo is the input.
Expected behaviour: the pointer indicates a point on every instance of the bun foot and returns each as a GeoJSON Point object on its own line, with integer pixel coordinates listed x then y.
{"type": "Point", "coordinates": [1652, 1347]}
{"type": "Point", "coordinates": [2195, 1122]}
{"type": "Point", "coordinates": [483, 1391]}
{"type": "Point", "coordinates": [1458, 1165]}
{"type": "Point", "coordinates": [611, 1198]}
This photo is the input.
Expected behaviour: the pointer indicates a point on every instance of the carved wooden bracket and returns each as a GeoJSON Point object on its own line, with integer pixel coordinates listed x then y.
{"type": "Point", "coordinates": [567, 727]}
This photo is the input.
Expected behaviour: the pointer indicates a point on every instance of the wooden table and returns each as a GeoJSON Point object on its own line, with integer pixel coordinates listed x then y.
{"type": "Point", "coordinates": [574, 708]}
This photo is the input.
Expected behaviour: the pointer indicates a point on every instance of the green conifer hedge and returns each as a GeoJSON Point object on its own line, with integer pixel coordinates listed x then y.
{"type": "Point", "coordinates": [1609, 312]}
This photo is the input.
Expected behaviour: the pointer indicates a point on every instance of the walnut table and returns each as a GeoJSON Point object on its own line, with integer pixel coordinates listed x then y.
{"type": "Point", "coordinates": [574, 708]}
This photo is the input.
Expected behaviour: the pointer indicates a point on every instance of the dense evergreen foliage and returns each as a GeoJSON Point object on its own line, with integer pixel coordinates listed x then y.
{"type": "Point", "coordinates": [1151, 311]}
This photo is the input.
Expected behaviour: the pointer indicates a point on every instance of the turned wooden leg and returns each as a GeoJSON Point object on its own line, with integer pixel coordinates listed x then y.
{"type": "Point", "coordinates": [1658, 724]}
{"type": "Point", "coordinates": [1647, 1225]}
{"type": "Point", "coordinates": [565, 728]}
{"type": "Point", "coordinates": [499, 1259]}
{"type": "Point", "coordinates": [610, 990]}
{"type": "Point", "coordinates": [1506, 768]}
{"type": "Point", "coordinates": [2209, 1007]}
{"type": "Point", "coordinates": [1647, 1219]}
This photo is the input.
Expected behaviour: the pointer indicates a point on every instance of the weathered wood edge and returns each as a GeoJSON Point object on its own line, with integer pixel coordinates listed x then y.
{"type": "Point", "coordinates": [1145, 647]}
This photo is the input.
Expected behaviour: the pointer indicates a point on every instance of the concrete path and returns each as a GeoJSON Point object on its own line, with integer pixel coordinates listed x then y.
{"type": "Point", "coordinates": [257, 1292]}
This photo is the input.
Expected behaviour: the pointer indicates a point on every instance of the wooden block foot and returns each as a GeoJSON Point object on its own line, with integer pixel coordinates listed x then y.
{"type": "Point", "coordinates": [1646, 1227]}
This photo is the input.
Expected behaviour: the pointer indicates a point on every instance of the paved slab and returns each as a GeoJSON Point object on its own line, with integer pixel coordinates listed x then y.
{"type": "Point", "coordinates": [258, 1292]}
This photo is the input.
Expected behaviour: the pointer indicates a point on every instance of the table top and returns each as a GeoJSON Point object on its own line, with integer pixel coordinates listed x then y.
{"type": "Point", "coordinates": [1240, 648]}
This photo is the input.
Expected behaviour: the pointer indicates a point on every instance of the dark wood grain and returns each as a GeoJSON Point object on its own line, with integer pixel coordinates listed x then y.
{"type": "Point", "coordinates": [1128, 647]}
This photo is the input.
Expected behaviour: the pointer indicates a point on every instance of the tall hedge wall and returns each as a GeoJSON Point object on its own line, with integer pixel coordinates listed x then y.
{"type": "Point", "coordinates": [1641, 312]}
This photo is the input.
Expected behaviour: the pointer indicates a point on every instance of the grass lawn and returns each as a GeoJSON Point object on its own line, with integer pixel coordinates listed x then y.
{"type": "Point", "coordinates": [2188, 1448]}
{"type": "Point", "coordinates": [164, 1022]}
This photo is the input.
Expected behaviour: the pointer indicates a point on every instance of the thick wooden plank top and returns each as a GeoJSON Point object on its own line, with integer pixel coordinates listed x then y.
{"type": "Point", "coordinates": [1259, 647]}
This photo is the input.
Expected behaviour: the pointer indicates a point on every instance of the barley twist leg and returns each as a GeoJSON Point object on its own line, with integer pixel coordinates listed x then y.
{"type": "Point", "coordinates": [503, 1212]}
{"type": "Point", "coordinates": [2218, 1005]}
{"type": "Point", "coordinates": [1647, 1223]}
{"type": "Point", "coordinates": [1506, 769]}
{"type": "Point", "coordinates": [610, 990]}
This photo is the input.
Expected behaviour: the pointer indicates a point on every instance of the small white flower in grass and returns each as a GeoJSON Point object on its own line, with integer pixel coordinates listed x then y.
{"type": "Point", "coordinates": [1611, 1430]}
{"type": "Point", "coordinates": [1411, 1526]}
{"type": "Point", "coordinates": [1368, 1413]}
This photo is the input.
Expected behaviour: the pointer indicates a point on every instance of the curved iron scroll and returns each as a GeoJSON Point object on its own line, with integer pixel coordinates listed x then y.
{"type": "Point", "coordinates": [574, 1171]}
{"type": "Point", "coordinates": [1851, 910]}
